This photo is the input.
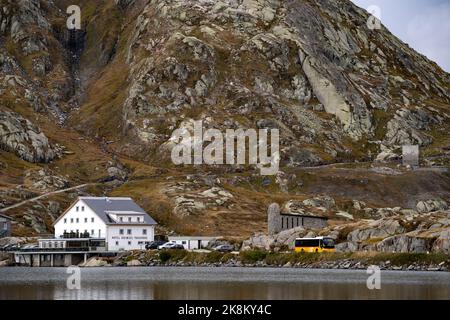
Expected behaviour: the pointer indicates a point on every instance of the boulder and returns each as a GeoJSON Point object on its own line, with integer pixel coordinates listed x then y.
{"type": "Point", "coordinates": [442, 243]}
{"type": "Point", "coordinates": [320, 202]}
{"type": "Point", "coordinates": [273, 242]}
{"type": "Point", "coordinates": [347, 247]}
{"type": "Point", "coordinates": [431, 206]}
{"type": "Point", "coordinates": [375, 230]}
{"type": "Point", "coordinates": [258, 241]}
{"type": "Point", "coordinates": [94, 262]}
{"type": "Point", "coordinates": [5, 263]}
{"type": "Point", "coordinates": [345, 215]}
{"type": "Point", "coordinates": [44, 180]}
{"type": "Point", "coordinates": [405, 243]}
{"type": "Point", "coordinates": [408, 126]}
{"type": "Point", "coordinates": [287, 237]}
{"type": "Point", "coordinates": [15, 240]}
{"type": "Point", "coordinates": [134, 263]}
{"type": "Point", "coordinates": [20, 136]}
{"type": "Point", "coordinates": [359, 205]}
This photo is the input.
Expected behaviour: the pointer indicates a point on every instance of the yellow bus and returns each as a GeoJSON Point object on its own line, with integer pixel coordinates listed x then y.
{"type": "Point", "coordinates": [319, 244]}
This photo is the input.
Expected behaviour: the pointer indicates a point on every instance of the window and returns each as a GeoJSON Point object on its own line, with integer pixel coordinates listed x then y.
{"type": "Point", "coordinates": [85, 220]}
{"type": "Point", "coordinates": [121, 219]}
{"type": "Point", "coordinates": [129, 219]}
{"type": "Point", "coordinates": [50, 245]}
{"type": "Point", "coordinates": [56, 245]}
{"type": "Point", "coordinates": [129, 231]}
{"type": "Point", "coordinates": [92, 220]}
{"type": "Point", "coordinates": [82, 209]}
{"type": "Point", "coordinates": [78, 220]}
{"type": "Point", "coordinates": [144, 231]}
{"type": "Point", "coordinates": [129, 243]}
{"type": "Point", "coordinates": [71, 220]}
{"type": "Point", "coordinates": [117, 243]}
{"type": "Point", "coordinates": [138, 219]}
{"type": "Point", "coordinates": [121, 231]}
{"type": "Point", "coordinates": [65, 220]}
{"type": "Point", "coordinates": [92, 232]}
{"type": "Point", "coordinates": [78, 208]}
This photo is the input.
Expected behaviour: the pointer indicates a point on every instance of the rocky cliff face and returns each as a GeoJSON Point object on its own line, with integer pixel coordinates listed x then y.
{"type": "Point", "coordinates": [284, 64]}
{"type": "Point", "coordinates": [21, 137]}
{"type": "Point", "coordinates": [113, 93]}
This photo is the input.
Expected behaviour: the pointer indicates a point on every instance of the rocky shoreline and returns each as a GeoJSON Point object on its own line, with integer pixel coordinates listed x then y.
{"type": "Point", "coordinates": [238, 262]}
{"type": "Point", "coordinates": [263, 259]}
{"type": "Point", "coordinates": [340, 265]}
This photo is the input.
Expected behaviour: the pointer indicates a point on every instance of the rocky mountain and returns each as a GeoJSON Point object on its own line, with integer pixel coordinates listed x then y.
{"type": "Point", "coordinates": [99, 106]}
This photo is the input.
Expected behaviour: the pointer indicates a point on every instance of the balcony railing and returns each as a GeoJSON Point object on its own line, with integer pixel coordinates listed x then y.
{"type": "Point", "coordinates": [54, 250]}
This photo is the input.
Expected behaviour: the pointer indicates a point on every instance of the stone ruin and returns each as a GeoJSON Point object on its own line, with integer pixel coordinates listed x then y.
{"type": "Point", "coordinates": [278, 221]}
{"type": "Point", "coordinates": [274, 219]}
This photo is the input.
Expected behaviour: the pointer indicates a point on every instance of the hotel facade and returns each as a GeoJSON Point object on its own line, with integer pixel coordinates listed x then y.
{"type": "Point", "coordinates": [115, 224]}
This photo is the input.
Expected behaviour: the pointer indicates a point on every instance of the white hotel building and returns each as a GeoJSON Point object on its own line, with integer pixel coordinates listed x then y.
{"type": "Point", "coordinates": [119, 222]}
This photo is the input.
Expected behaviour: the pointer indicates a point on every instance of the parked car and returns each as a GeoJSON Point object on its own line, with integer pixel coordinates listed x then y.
{"type": "Point", "coordinates": [29, 247]}
{"type": "Point", "coordinates": [154, 245]}
{"type": "Point", "coordinates": [11, 247]}
{"type": "Point", "coordinates": [224, 248]}
{"type": "Point", "coordinates": [170, 245]}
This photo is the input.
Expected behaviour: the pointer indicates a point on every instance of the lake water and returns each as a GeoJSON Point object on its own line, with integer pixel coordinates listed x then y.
{"type": "Point", "coordinates": [219, 283]}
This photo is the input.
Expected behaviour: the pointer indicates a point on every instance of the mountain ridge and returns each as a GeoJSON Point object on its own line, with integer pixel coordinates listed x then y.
{"type": "Point", "coordinates": [338, 91]}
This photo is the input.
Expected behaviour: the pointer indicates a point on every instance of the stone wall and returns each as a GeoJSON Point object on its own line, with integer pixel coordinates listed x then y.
{"type": "Point", "coordinates": [278, 222]}
{"type": "Point", "coordinates": [274, 219]}
{"type": "Point", "coordinates": [314, 223]}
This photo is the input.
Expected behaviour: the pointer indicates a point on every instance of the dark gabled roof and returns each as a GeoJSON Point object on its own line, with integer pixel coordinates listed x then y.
{"type": "Point", "coordinates": [101, 206]}
{"type": "Point", "coordinates": [6, 217]}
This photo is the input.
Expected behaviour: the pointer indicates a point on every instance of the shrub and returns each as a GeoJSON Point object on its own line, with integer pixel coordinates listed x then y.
{"type": "Point", "coordinates": [172, 255]}
{"type": "Point", "coordinates": [213, 256]}
{"type": "Point", "coordinates": [164, 256]}
{"type": "Point", "coordinates": [227, 257]}
{"type": "Point", "coordinates": [278, 258]}
{"type": "Point", "coordinates": [253, 256]}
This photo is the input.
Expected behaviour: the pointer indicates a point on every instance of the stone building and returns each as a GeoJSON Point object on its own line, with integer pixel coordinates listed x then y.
{"type": "Point", "coordinates": [278, 221]}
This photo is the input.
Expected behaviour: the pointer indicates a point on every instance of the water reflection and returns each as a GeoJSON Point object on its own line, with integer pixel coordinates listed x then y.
{"type": "Point", "coordinates": [218, 283]}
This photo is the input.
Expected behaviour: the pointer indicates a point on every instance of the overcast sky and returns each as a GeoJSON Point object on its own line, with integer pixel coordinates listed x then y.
{"type": "Point", "coordinates": [423, 24]}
